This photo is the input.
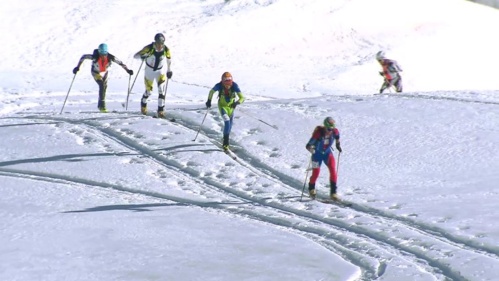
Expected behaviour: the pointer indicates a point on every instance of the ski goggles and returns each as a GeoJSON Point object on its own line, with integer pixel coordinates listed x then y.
{"type": "Point", "coordinates": [330, 124]}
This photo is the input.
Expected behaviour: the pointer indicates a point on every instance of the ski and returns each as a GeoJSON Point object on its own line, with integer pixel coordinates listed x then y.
{"type": "Point", "coordinates": [335, 202]}
{"type": "Point", "coordinates": [340, 203]}
{"type": "Point", "coordinates": [169, 119]}
{"type": "Point", "coordinates": [230, 153]}
{"type": "Point", "coordinates": [226, 151]}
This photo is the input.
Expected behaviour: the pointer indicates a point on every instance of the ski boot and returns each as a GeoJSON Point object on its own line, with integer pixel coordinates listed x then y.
{"type": "Point", "coordinates": [332, 195]}
{"type": "Point", "coordinates": [101, 105]}
{"type": "Point", "coordinates": [225, 143]}
{"type": "Point", "coordinates": [143, 108]}
{"type": "Point", "coordinates": [311, 190]}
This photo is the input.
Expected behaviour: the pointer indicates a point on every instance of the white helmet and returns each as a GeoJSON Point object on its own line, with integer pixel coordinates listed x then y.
{"type": "Point", "coordinates": [380, 55]}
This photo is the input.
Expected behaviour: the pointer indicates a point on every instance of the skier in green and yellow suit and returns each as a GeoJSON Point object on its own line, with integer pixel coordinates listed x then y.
{"type": "Point", "coordinates": [227, 91]}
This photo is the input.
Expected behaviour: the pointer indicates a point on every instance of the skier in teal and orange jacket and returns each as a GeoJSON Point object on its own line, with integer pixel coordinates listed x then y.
{"type": "Point", "coordinates": [101, 61]}
{"type": "Point", "coordinates": [227, 91]}
{"type": "Point", "coordinates": [321, 147]}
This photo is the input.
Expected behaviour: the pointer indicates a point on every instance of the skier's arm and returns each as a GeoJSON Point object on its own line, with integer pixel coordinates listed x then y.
{"type": "Point", "coordinates": [168, 64]}
{"type": "Point", "coordinates": [119, 62]}
{"type": "Point", "coordinates": [143, 54]}
{"type": "Point", "coordinates": [168, 59]}
{"type": "Point", "coordinates": [83, 58]}
{"type": "Point", "coordinates": [210, 94]}
{"type": "Point", "coordinates": [393, 66]}
{"type": "Point", "coordinates": [312, 143]}
{"type": "Point", "coordinates": [238, 92]}
{"type": "Point", "coordinates": [240, 97]}
{"type": "Point", "coordinates": [336, 134]}
{"type": "Point", "coordinates": [397, 66]}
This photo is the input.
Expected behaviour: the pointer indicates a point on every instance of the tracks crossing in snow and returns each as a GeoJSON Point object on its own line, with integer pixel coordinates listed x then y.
{"type": "Point", "coordinates": [377, 241]}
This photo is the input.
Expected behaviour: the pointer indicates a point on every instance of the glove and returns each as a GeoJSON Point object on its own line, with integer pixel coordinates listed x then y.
{"type": "Point", "coordinates": [310, 148]}
{"type": "Point", "coordinates": [338, 146]}
{"type": "Point", "coordinates": [234, 104]}
{"type": "Point", "coordinates": [129, 71]}
{"type": "Point", "coordinates": [76, 69]}
{"type": "Point", "coordinates": [381, 73]}
{"type": "Point", "coordinates": [169, 74]}
{"type": "Point", "coordinates": [208, 103]}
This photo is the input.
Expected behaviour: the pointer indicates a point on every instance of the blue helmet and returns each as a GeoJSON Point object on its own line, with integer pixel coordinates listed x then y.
{"type": "Point", "coordinates": [103, 49]}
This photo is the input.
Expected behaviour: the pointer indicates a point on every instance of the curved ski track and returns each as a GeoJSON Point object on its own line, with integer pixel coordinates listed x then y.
{"type": "Point", "coordinates": [374, 240]}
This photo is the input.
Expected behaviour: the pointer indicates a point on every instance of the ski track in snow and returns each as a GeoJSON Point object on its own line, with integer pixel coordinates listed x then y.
{"type": "Point", "coordinates": [367, 237]}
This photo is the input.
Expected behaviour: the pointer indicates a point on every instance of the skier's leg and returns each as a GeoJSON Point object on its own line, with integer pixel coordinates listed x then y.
{"type": "Point", "coordinates": [333, 176]}
{"type": "Point", "coordinates": [102, 91]}
{"type": "Point", "coordinates": [148, 83]}
{"type": "Point", "coordinates": [398, 84]}
{"type": "Point", "coordinates": [331, 165]}
{"type": "Point", "coordinates": [316, 168]}
{"type": "Point", "coordinates": [227, 126]}
{"type": "Point", "coordinates": [384, 86]}
{"type": "Point", "coordinates": [161, 78]}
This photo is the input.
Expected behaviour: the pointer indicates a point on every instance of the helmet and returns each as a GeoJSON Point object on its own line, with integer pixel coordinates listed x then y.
{"type": "Point", "coordinates": [103, 49]}
{"type": "Point", "coordinates": [159, 38]}
{"type": "Point", "coordinates": [227, 79]}
{"type": "Point", "coordinates": [329, 123]}
{"type": "Point", "coordinates": [226, 76]}
{"type": "Point", "coordinates": [380, 55]}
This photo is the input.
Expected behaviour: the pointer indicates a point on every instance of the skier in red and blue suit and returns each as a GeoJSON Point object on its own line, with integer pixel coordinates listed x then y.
{"type": "Point", "coordinates": [321, 147]}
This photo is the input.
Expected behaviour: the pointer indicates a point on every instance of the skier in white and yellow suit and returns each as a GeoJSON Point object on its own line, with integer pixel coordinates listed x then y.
{"type": "Point", "coordinates": [154, 56]}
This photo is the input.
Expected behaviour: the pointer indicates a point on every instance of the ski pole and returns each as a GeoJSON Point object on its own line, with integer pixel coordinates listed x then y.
{"type": "Point", "coordinates": [128, 93]}
{"type": "Point", "coordinates": [306, 177]}
{"type": "Point", "coordinates": [208, 109]}
{"type": "Point", "coordinates": [130, 89]}
{"type": "Point", "coordinates": [273, 126]}
{"type": "Point", "coordinates": [67, 94]}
